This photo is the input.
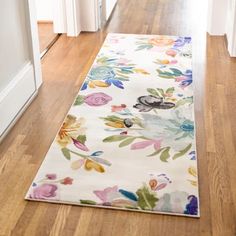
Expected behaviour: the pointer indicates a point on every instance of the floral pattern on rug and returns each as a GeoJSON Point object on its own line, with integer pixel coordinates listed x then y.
{"type": "Point", "coordinates": [140, 132]}
{"type": "Point", "coordinates": [128, 140]}
{"type": "Point", "coordinates": [72, 131]}
{"type": "Point", "coordinates": [111, 71]}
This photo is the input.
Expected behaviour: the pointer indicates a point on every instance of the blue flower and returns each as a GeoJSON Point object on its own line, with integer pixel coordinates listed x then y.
{"type": "Point", "coordinates": [181, 41]}
{"type": "Point", "coordinates": [101, 73]}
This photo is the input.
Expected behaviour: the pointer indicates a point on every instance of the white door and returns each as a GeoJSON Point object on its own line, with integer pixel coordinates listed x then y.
{"type": "Point", "coordinates": [20, 69]}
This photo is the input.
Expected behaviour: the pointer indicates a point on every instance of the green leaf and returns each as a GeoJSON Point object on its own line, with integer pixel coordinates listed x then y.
{"type": "Point", "coordinates": [166, 75]}
{"type": "Point", "coordinates": [112, 118]}
{"type": "Point", "coordinates": [81, 139]}
{"type": "Point", "coordinates": [114, 138]}
{"type": "Point", "coordinates": [144, 46]}
{"type": "Point", "coordinates": [102, 60]}
{"type": "Point", "coordinates": [66, 153]}
{"type": "Point", "coordinates": [161, 91]}
{"type": "Point", "coordinates": [124, 71]}
{"type": "Point", "coordinates": [156, 152]}
{"type": "Point", "coordinates": [165, 154]}
{"type": "Point", "coordinates": [79, 100]}
{"type": "Point", "coordinates": [176, 71]}
{"type": "Point", "coordinates": [127, 141]}
{"type": "Point", "coordinates": [88, 202]}
{"type": "Point", "coordinates": [153, 91]}
{"type": "Point", "coordinates": [183, 101]}
{"type": "Point", "coordinates": [182, 152]}
{"type": "Point", "coordinates": [170, 90]}
{"type": "Point", "coordinates": [146, 199]}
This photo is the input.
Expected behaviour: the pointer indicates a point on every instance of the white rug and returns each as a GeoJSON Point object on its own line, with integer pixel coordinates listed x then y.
{"type": "Point", "coordinates": [128, 142]}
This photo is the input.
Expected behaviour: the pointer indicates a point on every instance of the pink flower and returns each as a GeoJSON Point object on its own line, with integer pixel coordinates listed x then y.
{"type": "Point", "coordinates": [171, 52]}
{"type": "Point", "coordinates": [118, 108]}
{"type": "Point", "coordinates": [44, 191]}
{"type": "Point", "coordinates": [79, 145]}
{"type": "Point", "coordinates": [173, 61]}
{"type": "Point", "coordinates": [157, 144]}
{"type": "Point", "coordinates": [51, 176]}
{"type": "Point", "coordinates": [67, 181]}
{"type": "Point", "coordinates": [97, 99]}
{"type": "Point", "coordinates": [180, 78]}
{"type": "Point", "coordinates": [123, 61]}
{"type": "Point", "coordinates": [146, 143]}
{"type": "Point", "coordinates": [108, 194]}
{"type": "Point", "coordinates": [113, 40]}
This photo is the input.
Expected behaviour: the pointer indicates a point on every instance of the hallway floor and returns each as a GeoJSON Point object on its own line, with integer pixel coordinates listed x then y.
{"type": "Point", "coordinates": [64, 68]}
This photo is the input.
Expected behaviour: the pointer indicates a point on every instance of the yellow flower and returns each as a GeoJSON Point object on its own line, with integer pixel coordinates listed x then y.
{"type": "Point", "coordinates": [115, 124]}
{"type": "Point", "coordinates": [161, 41]}
{"type": "Point", "coordinates": [71, 128]}
{"type": "Point", "coordinates": [192, 171]}
{"type": "Point", "coordinates": [141, 71]}
{"type": "Point", "coordinates": [89, 165]}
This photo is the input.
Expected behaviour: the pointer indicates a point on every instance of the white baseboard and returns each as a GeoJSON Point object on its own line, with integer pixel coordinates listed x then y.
{"type": "Point", "coordinates": [16, 97]}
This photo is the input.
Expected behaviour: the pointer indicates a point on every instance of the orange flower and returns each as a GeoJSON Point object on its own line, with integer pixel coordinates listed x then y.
{"type": "Point", "coordinates": [70, 130]}
{"type": "Point", "coordinates": [161, 41]}
{"type": "Point", "coordinates": [67, 181]}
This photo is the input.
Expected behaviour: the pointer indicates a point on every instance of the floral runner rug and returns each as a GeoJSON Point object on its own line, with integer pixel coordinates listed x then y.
{"type": "Point", "coordinates": [128, 141]}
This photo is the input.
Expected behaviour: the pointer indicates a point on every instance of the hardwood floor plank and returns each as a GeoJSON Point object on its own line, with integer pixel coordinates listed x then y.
{"type": "Point", "coordinates": [60, 220]}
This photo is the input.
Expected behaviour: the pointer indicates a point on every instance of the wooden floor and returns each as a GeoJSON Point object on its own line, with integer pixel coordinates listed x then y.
{"type": "Point", "coordinates": [46, 35]}
{"type": "Point", "coordinates": [64, 68]}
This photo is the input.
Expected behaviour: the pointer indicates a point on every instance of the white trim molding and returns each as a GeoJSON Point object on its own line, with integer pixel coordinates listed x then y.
{"type": "Point", "coordinates": [35, 43]}
{"type": "Point", "coordinates": [16, 97]}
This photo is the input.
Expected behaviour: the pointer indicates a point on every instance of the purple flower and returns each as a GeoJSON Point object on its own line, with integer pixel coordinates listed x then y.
{"type": "Point", "coordinates": [192, 206]}
{"type": "Point", "coordinates": [97, 99]}
{"type": "Point", "coordinates": [181, 41]}
{"type": "Point", "coordinates": [80, 145]}
{"type": "Point", "coordinates": [51, 176]}
{"type": "Point", "coordinates": [44, 191]}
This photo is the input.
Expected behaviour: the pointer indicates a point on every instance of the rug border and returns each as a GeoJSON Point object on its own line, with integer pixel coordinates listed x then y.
{"type": "Point", "coordinates": [112, 208]}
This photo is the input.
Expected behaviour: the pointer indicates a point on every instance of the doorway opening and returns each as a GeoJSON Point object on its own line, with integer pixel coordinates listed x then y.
{"type": "Point", "coordinates": [45, 24]}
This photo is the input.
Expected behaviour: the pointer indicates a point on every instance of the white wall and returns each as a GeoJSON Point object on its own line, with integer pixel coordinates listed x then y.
{"type": "Point", "coordinates": [44, 10]}
{"type": "Point", "coordinates": [14, 37]}
{"type": "Point", "coordinates": [222, 21]}
{"type": "Point", "coordinates": [217, 16]}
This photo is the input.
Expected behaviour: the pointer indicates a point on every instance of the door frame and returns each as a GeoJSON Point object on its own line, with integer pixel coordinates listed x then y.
{"type": "Point", "coordinates": [66, 20]}
{"type": "Point", "coordinates": [34, 38]}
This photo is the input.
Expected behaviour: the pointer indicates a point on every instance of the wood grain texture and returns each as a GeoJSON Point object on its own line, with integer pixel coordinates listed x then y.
{"type": "Point", "coordinates": [64, 68]}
